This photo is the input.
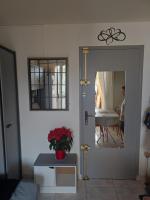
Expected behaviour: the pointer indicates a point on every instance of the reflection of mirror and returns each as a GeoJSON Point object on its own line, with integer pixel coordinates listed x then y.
{"type": "Point", "coordinates": [48, 83]}
{"type": "Point", "coordinates": [109, 108]}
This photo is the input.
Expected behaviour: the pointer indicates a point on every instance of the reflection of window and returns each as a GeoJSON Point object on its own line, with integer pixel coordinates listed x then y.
{"type": "Point", "coordinates": [48, 83]}
{"type": "Point", "coordinates": [104, 84]}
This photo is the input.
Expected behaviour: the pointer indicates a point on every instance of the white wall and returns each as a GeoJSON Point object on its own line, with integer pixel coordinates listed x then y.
{"type": "Point", "coordinates": [64, 40]}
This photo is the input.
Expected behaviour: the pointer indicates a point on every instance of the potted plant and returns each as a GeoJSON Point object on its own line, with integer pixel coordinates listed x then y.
{"type": "Point", "coordinates": [61, 141]}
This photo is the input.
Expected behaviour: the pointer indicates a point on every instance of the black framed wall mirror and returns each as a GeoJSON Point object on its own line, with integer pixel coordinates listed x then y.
{"type": "Point", "coordinates": [48, 83]}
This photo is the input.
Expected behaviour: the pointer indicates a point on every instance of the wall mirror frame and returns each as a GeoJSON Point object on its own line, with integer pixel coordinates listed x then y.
{"type": "Point", "coordinates": [48, 84]}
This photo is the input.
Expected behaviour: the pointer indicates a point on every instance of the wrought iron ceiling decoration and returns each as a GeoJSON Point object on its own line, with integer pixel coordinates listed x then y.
{"type": "Point", "coordinates": [111, 34]}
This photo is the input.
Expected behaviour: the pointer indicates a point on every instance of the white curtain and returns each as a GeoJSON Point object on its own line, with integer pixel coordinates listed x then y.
{"type": "Point", "coordinates": [106, 89]}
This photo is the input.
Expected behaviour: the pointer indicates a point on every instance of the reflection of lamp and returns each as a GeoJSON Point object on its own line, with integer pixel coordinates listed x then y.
{"type": "Point", "coordinates": [85, 81]}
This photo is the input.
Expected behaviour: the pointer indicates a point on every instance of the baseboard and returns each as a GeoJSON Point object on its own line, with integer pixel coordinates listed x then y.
{"type": "Point", "coordinates": [140, 178]}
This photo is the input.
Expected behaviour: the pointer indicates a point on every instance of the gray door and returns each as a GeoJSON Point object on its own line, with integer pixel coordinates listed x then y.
{"type": "Point", "coordinates": [9, 114]}
{"type": "Point", "coordinates": [115, 162]}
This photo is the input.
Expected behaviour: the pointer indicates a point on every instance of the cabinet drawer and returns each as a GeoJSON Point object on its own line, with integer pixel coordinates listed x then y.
{"type": "Point", "coordinates": [45, 176]}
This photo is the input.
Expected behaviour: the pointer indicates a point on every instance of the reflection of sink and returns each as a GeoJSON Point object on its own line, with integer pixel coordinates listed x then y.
{"type": "Point", "coordinates": [103, 115]}
{"type": "Point", "coordinates": [102, 111]}
{"type": "Point", "coordinates": [107, 114]}
{"type": "Point", "coordinates": [106, 119]}
{"type": "Point", "coordinates": [107, 111]}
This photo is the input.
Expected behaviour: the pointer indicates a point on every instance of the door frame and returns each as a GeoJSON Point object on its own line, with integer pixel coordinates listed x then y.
{"type": "Point", "coordinates": [123, 47]}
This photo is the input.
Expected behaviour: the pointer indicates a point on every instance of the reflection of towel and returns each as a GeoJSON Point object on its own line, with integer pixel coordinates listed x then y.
{"type": "Point", "coordinates": [122, 110]}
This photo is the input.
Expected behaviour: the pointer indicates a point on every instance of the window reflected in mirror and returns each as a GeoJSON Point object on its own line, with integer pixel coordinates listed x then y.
{"type": "Point", "coordinates": [109, 108]}
{"type": "Point", "coordinates": [48, 83]}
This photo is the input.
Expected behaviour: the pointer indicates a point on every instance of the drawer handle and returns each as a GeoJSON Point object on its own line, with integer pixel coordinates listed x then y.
{"type": "Point", "coordinates": [51, 167]}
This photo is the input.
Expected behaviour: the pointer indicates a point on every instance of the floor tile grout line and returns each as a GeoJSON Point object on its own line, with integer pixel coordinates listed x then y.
{"type": "Point", "coordinates": [85, 186]}
{"type": "Point", "coordinates": [115, 189]}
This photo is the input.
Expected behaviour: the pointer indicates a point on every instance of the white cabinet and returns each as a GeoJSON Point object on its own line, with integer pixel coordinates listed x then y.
{"type": "Point", "coordinates": [55, 176]}
{"type": "Point", "coordinates": [45, 176]}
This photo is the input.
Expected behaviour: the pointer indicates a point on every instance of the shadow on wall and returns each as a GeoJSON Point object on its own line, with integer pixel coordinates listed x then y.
{"type": "Point", "coordinates": [146, 141]}
{"type": "Point", "coordinates": [27, 170]}
{"type": "Point", "coordinates": [6, 39]}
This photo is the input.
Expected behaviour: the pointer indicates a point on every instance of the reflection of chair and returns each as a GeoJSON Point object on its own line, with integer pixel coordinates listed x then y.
{"type": "Point", "coordinates": [109, 128]}
{"type": "Point", "coordinates": [101, 133]}
{"type": "Point", "coordinates": [104, 135]}
{"type": "Point", "coordinates": [116, 128]}
{"type": "Point", "coordinates": [118, 131]}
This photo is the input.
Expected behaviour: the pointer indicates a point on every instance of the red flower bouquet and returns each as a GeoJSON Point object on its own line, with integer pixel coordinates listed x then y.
{"type": "Point", "coordinates": [60, 139]}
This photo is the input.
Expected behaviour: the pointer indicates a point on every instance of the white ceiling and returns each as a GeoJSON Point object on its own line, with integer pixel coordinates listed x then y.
{"type": "Point", "coordinates": [33, 12]}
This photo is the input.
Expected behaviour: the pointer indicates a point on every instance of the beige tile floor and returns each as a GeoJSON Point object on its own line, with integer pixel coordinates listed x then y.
{"type": "Point", "coordinates": [102, 190]}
